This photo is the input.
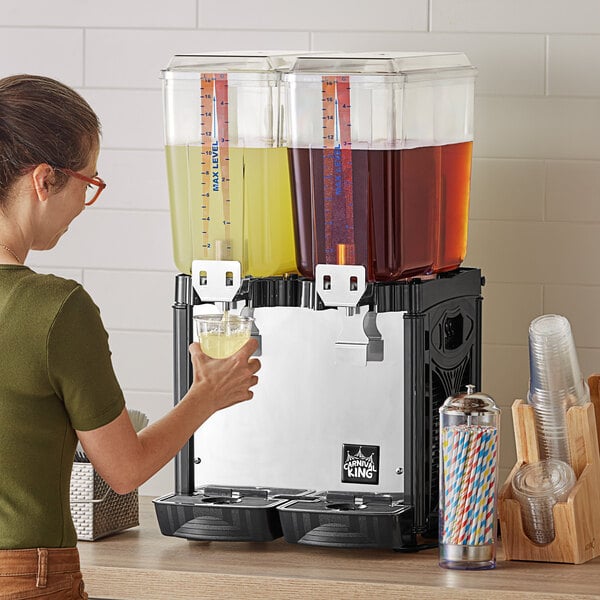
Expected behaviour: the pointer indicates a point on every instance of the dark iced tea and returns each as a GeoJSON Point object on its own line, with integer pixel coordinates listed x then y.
{"type": "Point", "coordinates": [454, 206]}
{"type": "Point", "coordinates": [399, 213]}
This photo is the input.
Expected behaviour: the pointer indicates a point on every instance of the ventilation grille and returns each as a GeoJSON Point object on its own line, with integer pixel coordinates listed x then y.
{"type": "Point", "coordinates": [444, 383]}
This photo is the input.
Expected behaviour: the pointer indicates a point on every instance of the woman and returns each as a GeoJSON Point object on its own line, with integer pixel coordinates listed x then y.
{"type": "Point", "coordinates": [57, 384]}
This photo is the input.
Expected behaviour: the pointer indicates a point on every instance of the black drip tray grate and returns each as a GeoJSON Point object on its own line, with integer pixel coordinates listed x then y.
{"type": "Point", "coordinates": [349, 520]}
{"type": "Point", "coordinates": [226, 513]}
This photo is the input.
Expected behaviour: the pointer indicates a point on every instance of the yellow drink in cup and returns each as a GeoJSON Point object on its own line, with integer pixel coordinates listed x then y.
{"type": "Point", "coordinates": [221, 336]}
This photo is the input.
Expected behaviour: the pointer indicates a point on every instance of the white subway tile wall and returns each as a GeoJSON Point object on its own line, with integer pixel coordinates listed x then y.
{"type": "Point", "coordinates": [109, 13]}
{"type": "Point", "coordinates": [54, 52]}
{"type": "Point", "coordinates": [533, 16]}
{"type": "Point", "coordinates": [315, 15]}
{"type": "Point", "coordinates": [573, 60]}
{"type": "Point", "coordinates": [535, 204]}
{"type": "Point", "coordinates": [136, 179]}
{"type": "Point", "coordinates": [508, 189]}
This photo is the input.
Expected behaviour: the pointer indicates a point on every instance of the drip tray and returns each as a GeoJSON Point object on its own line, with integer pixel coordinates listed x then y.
{"type": "Point", "coordinates": [226, 513]}
{"type": "Point", "coordinates": [349, 520]}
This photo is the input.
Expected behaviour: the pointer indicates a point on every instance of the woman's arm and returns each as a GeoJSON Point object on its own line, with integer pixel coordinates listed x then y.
{"type": "Point", "coordinates": [125, 459]}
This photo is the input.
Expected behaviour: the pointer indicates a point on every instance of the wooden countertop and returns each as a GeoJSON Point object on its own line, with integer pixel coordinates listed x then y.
{"type": "Point", "coordinates": [142, 564]}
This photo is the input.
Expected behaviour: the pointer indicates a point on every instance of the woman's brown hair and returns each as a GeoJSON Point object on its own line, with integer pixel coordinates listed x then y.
{"type": "Point", "coordinates": [43, 121]}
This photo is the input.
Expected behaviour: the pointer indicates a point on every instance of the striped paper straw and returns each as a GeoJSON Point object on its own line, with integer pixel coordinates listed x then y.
{"type": "Point", "coordinates": [481, 532]}
{"type": "Point", "coordinates": [454, 449]}
{"type": "Point", "coordinates": [464, 521]}
{"type": "Point", "coordinates": [490, 515]}
{"type": "Point", "coordinates": [469, 463]}
{"type": "Point", "coordinates": [478, 523]}
{"type": "Point", "coordinates": [472, 527]}
{"type": "Point", "coordinates": [477, 519]}
{"type": "Point", "coordinates": [454, 469]}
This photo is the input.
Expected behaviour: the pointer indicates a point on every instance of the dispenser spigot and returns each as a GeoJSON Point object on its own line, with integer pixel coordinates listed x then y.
{"type": "Point", "coordinates": [360, 341]}
{"type": "Point", "coordinates": [224, 307]}
{"type": "Point", "coordinates": [342, 287]}
{"type": "Point", "coordinates": [217, 281]}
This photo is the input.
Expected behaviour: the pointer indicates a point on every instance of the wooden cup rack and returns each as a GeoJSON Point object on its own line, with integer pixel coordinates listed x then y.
{"type": "Point", "coordinates": [577, 520]}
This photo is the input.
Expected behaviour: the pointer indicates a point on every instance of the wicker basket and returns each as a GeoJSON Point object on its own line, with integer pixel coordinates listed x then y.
{"type": "Point", "coordinates": [96, 509]}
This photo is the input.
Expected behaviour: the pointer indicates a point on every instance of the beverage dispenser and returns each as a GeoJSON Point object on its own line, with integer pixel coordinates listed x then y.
{"type": "Point", "coordinates": [228, 179]}
{"type": "Point", "coordinates": [362, 345]}
{"type": "Point", "coordinates": [380, 153]}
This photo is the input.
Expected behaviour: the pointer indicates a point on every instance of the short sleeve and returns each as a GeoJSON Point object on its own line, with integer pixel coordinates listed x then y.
{"type": "Point", "coordinates": [79, 364]}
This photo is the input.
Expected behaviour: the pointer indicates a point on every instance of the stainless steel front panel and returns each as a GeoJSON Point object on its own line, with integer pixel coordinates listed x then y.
{"type": "Point", "coordinates": [306, 407]}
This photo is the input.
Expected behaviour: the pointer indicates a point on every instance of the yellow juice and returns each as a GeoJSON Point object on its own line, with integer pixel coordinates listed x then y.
{"type": "Point", "coordinates": [219, 345]}
{"type": "Point", "coordinates": [247, 218]}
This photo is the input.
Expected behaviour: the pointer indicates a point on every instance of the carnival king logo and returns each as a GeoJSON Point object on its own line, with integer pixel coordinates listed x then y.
{"type": "Point", "coordinates": [360, 464]}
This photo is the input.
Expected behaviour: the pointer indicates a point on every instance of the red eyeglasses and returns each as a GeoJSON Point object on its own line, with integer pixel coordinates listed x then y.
{"type": "Point", "coordinates": [95, 185]}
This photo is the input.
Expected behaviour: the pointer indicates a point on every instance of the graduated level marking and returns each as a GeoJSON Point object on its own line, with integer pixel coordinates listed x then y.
{"type": "Point", "coordinates": [337, 170]}
{"type": "Point", "coordinates": [328, 108]}
{"type": "Point", "coordinates": [214, 124]}
{"type": "Point", "coordinates": [343, 93]}
{"type": "Point", "coordinates": [222, 105]}
{"type": "Point", "coordinates": [206, 128]}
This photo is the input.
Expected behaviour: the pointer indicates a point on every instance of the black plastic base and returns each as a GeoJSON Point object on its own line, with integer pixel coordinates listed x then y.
{"type": "Point", "coordinates": [224, 514]}
{"type": "Point", "coordinates": [372, 521]}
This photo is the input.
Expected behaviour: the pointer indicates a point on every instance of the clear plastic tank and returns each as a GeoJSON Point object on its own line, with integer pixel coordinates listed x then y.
{"type": "Point", "coordinates": [380, 154]}
{"type": "Point", "coordinates": [229, 182]}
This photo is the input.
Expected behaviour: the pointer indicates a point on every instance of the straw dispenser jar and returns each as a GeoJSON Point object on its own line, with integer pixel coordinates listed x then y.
{"type": "Point", "coordinates": [468, 465]}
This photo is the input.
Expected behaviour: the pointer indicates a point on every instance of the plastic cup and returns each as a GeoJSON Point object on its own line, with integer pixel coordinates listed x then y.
{"type": "Point", "coordinates": [221, 336]}
{"type": "Point", "coordinates": [553, 362]}
{"type": "Point", "coordinates": [555, 382]}
{"type": "Point", "coordinates": [550, 408]}
{"type": "Point", "coordinates": [538, 487]}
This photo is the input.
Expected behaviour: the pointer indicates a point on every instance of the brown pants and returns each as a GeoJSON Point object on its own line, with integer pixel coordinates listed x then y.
{"type": "Point", "coordinates": [42, 573]}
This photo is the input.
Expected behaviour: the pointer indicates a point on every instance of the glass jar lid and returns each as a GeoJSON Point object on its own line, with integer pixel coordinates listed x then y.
{"type": "Point", "coordinates": [471, 403]}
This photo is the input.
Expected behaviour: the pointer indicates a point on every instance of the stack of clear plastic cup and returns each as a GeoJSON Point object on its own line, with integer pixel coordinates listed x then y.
{"type": "Point", "coordinates": [538, 487]}
{"type": "Point", "coordinates": [555, 382]}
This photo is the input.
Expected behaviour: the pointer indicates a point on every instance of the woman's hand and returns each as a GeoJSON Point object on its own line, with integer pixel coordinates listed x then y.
{"type": "Point", "coordinates": [222, 382]}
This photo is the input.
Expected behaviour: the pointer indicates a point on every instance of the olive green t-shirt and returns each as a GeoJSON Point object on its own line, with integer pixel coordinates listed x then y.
{"type": "Point", "coordinates": [56, 376]}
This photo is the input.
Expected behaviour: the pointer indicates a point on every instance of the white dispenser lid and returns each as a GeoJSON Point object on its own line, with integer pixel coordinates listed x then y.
{"type": "Point", "coordinates": [408, 64]}
{"type": "Point", "coordinates": [183, 66]}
